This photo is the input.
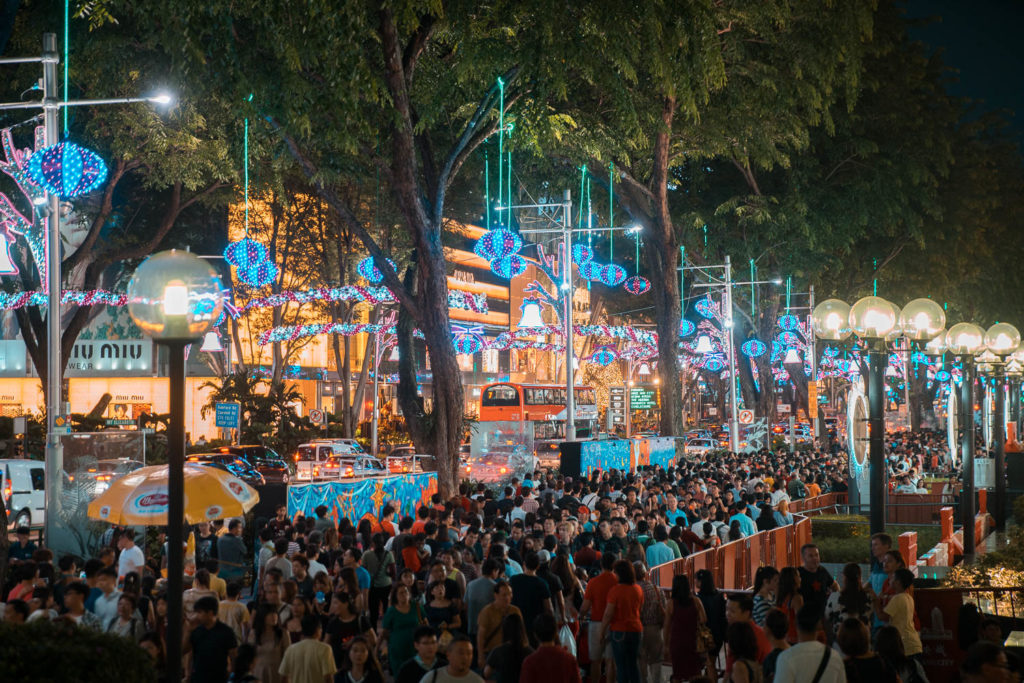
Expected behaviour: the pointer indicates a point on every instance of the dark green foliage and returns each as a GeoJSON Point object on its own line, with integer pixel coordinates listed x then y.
{"type": "Point", "coordinates": [59, 652]}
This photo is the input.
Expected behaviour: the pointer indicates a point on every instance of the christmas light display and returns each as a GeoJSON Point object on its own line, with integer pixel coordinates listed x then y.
{"type": "Point", "coordinates": [509, 266]}
{"type": "Point", "coordinates": [754, 348]}
{"type": "Point", "coordinates": [467, 343]}
{"type": "Point", "coordinates": [637, 285]}
{"type": "Point", "coordinates": [686, 328]}
{"type": "Point", "coordinates": [706, 307]}
{"type": "Point", "coordinates": [581, 254]}
{"type": "Point", "coordinates": [918, 358]}
{"type": "Point", "coordinates": [603, 356]}
{"type": "Point", "coordinates": [789, 322]}
{"type": "Point", "coordinates": [714, 362]}
{"type": "Point", "coordinates": [12, 221]}
{"type": "Point", "coordinates": [590, 270]}
{"type": "Point", "coordinates": [67, 170]}
{"type": "Point", "coordinates": [260, 275]}
{"type": "Point", "coordinates": [371, 272]}
{"type": "Point", "coordinates": [498, 244]}
{"type": "Point", "coordinates": [942, 376]}
{"type": "Point", "coordinates": [465, 301]}
{"type": "Point", "coordinates": [612, 275]}
{"type": "Point", "coordinates": [245, 253]}
{"type": "Point", "coordinates": [789, 339]}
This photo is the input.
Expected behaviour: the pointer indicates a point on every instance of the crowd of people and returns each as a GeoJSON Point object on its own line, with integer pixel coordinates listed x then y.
{"type": "Point", "coordinates": [547, 579]}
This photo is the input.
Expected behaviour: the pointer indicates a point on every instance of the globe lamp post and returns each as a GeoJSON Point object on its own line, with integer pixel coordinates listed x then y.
{"type": "Point", "coordinates": [967, 340]}
{"type": "Point", "coordinates": [1001, 340]}
{"type": "Point", "coordinates": [175, 297]}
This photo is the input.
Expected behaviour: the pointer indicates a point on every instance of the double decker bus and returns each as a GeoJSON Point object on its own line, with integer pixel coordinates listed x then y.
{"type": "Point", "coordinates": [540, 411]}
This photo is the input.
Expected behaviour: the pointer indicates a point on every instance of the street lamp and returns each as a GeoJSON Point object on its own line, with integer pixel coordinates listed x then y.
{"type": "Point", "coordinates": [967, 340]}
{"type": "Point", "coordinates": [1001, 340]}
{"type": "Point", "coordinates": [175, 297]}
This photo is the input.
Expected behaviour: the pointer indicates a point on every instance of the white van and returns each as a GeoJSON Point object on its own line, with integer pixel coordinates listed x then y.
{"type": "Point", "coordinates": [22, 485]}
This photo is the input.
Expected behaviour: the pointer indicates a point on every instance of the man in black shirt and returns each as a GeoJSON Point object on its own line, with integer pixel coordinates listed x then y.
{"type": "Point", "coordinates": [530, 593]}
{"type": "Point", "coordinates": [427, 658]}
{"type": "Point", "coordinates": [815, 581]}
{"type": "Point", "coordinates": [211, 642]}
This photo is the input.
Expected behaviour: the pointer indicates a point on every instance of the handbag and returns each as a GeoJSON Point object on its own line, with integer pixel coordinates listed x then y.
{"type": "Point", "coordinates": [705, 639]}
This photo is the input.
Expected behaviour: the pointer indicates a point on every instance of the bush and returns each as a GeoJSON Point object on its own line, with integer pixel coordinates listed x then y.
{"type": "Point", "coordinates": [46, 651]}
{"type": "Point", "coordinates": [1000, 569]}
{"type": "Point", "coordinates": [846, 538]}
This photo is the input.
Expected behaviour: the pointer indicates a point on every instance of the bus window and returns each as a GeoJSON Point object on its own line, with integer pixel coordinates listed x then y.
{"type": "Point", "coordinates": [500, 395]}
{"type": "Point", "coordinates": [585, 397]}
{"type": "Point", "coordinates": [538, 396]}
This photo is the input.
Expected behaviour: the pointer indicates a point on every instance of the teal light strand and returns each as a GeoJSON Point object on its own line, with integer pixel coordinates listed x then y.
{"type": "Point", "coordinates": [874, 266]}
{"type": "Point", "coordinates": [611, 210]}
{"type": "Point", "coordinates": [246, 145]}
{"type": "Point", "coordinates": [583, 185]}
{"type": "Point", "coordinates": [789, 291]}
{"type": "Point", "coordinates": [753, 287]}
{"type": "Point", "coordinates": [510, 190]}
{"type": "Point", "coordinates": [638, 254]}
{"type": "Point", "coordinates": [487, 190]}
{"type": "Point", "coordinates": [501, 139]}
{"type": "Point", "coordinates": [67, 51]}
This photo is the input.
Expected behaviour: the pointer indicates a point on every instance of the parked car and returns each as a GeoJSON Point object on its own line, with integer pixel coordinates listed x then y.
{"type": "Point", "coordinates": [354, 466]}
{"type": "Point", "coordinates": [106, 472]}
{"type": "Point", "coordinates": [266, 461]}
{"type": "Point", "coordinates": [22, 485]}
{"type": "Point", "coordinates": [413, 462]}
{"type": "Point", "coordinates": [402, 451]}
{"type": "Point", "coordinates": [700, 446]}
{"type": "Point", "coordinates": [229, 462]}
{"type": "Point", "coordinates": [318, 459]}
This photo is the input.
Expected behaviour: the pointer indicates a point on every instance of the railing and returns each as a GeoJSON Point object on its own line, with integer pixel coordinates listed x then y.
{"type": "Point", "coordinates": [733, 565]}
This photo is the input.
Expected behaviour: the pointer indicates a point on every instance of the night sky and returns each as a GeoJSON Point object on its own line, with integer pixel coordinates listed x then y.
{"type": "Point", "coordinates": [982, 40]}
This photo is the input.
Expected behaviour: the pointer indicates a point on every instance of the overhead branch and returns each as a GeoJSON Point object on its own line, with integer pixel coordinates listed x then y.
{"type": "Point", "coordinates": [414, 48]}
{"type": "Point", "coordinates": [85, 251]}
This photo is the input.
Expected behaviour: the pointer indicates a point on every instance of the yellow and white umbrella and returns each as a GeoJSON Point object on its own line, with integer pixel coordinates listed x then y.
{"type": "Point", "coordinates": [140, 497]}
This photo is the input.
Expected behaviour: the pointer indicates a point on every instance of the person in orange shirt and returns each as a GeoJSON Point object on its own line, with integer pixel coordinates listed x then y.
{"type": "Point", "coordinates": [594, 600]}
{"type": "Point", "coordinates": [622, 622]}
{"type": "Point", "coordinates": [422, 517]}
{"type": "Point", "coordinates": [414, 553]}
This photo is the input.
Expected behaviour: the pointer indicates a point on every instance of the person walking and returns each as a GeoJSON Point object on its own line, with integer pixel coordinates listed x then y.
{"type": "Point", "coordinates": [309, 660]}
{"type": "Point", "coordinates": [683, 617]}
{"type": "Point", "coordinates": [809, 660]}
{"type": "Point", "coordinates": [270, 642]}
{"type": "Point", "coordinates": [399, 627]}
{"type": "Point", "coordinates": [380, 564]}
{"type": "Point", "coordinates": [652, 616]}
{"type": "Point", "coordinates": [621, 623]}
{"type": "Point", "coordinates": [550, 662]}
{"type": "Point", "coordinates": [505, 661]}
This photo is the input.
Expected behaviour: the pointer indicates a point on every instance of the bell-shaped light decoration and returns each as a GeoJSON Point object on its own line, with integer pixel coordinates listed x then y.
{"type": "Point", "coordinates": [965, 339]}
{"type": "Point", "coordinates": [531, 313]}
{"type": "Point", "coordinates": [704, 344]}
{"type": "Point", "coordinates": [873, 317]}
{"type": "Point", "coordinates": [922, 319]}
{"type": "Point", "coordinates": [211, 343]}
{"type": "Point", "coordinates": [1002, 339]}
{"type": "Point", "coordinates": [644, 369]}
{"type": "Point", "coordinates": [831, 320]}
{"type": "Point", "coordinates": [792, 356]}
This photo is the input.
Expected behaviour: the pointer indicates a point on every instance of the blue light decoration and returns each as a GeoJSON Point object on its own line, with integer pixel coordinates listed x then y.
{"type": "Point", "coordinates": [686, 328]}
{"type": "Point", "coordinates": [637, 285]}
{"type": "Point", "coordinates": [788, 339]}
{"type": "Point", "coordinates": [245, 253]}
{"type": "Point", "coordinates": [368, 270]}
{"type": "Point", "coordinates": [789, 322]}
{"type": "Point", "coordinates": [67, 170]}
{"type": "Point", "coordinates": [754, 348]}
{"type": "Point", "coordinates": [830, 352]}
{"type": "Point", "coordinates": [260, 275]}
{"type": "Point", "coordinates": [467, 343]}
{"type": "Point", "coordinates": [498, 244]}
{"type": "Point", "coordinates": [714, 363]}
{"type": "Point", "coordinates": [604, 356]}
{"type": "Point", "coordinates": [509, 266]}
{"type": "Point", "coordinates": [942, 376]}
{"type": "Point", "coordinates": [581, 254]}
{"type": "Point", "coordinates": [590, 270]}
{"type": "Point", "coordinates": [612, 275]}
{"type": "Point", "coordinates": [705, 307]}
{"type": "Point", "coordinates": [918, 357]}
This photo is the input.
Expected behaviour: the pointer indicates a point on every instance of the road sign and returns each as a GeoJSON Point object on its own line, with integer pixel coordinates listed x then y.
{"type": "Point", "coordinates": [20, 425]}
{"type": "Point", "coordinates": [641, 398]}
{"type": "Point", "coordinates": [228, 415]}
{"type": "Point", "coordinates": [616, 405]}
{"type": "Point", "coordinates": [62, 424]}
{"type": "Point", "coordinates": [317, 417]}
{"type": "Point", "coordinates": [784, 408]}
{"type": "Point", "coordinates": [746, 417]}
{"type": "Point", "coordinates": [147, 430]}
{"type": "Point", "coordinates": [115, 422]}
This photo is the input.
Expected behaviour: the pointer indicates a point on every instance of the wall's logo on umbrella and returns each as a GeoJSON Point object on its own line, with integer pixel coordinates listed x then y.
{"type": "Point", "coordinates": [214, 512]}
{"type": "Point", "coordinates": [239, 490]}
{"type": "Point", "coordinates": [104, 512]}
{"type": "Point", "coordinates": [151, 503]}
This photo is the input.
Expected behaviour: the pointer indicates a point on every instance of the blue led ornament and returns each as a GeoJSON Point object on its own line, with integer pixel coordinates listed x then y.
{"type": "Point", "coordinates": [637, 285]}
{"type": "Point", "coordinates": [581, 254]}
{"type": "Point", "coordinates": [830, 352]}
{"type": "Point", "coordinates": [686, 328]}
{"type": "Point", "coordinates": [714, 363]}
{"type": "Point", "coordinates": [260, 275]}
{"type": "Point", "coordinates": [754, 348]}
{"type": "Point", "coordinates": [789, 322]}
{"type": "Point", "coordinates": [612, 275]}
{"type": "Point", "coordinates": [604, 356]}
{"type": "Point", "coordinates": [67, 170]}
{"type": "Point", "coordinates": [590, 270]}
{"type": "Point", "coordinates": [372, 273]}
{"type": "Point", "coordinates": [508, 267]}
{"type": "Point", "coordinates": [705, 307]}
{"type": "Point", "coordinates": [467, 343]}
{"type": "Point", "coordinates": [498, 244]}
{"type": "Point", "coordinates": [918, 357]}
{"type": "Point", "coordinates": [788, 339]}
{"type": "Point", "coordinates": [245, 253]}
{"type": "Point", "coordinates": [942, 376]}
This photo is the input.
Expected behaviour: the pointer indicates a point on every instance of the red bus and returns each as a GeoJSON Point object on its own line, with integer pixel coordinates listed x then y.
{"type": "Point", "coordinates": [540, 408]}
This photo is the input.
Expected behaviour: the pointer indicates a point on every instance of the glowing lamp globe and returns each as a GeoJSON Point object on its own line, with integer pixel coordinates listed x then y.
{"type": "Point", "coordinates": [965, 339]}
{"type": "Point", "coordinates": [922, 319]}
{"type": "Point", "coordinates": [873, 317]}
{"type": "Point", "coordinates": [175, 296]}
{"type": "Point", "coordinates": [67, 170]}
{"type": "Point", "coordinates": [937, 346]}
{"type": "Point", "coordinates": [1002, 339]}
{"type": "Point", "coordinates": [531, 314]}
{"type": "Point", "coordinates": [831, 320]}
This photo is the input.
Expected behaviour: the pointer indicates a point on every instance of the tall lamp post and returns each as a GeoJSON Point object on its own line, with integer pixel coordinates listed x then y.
{"type": "Point", "coordinates": [876, 321]}
{"type": "Point", "coordinates": [175, 297]}
{"type": "Point", "coordinates": [1001, 340]}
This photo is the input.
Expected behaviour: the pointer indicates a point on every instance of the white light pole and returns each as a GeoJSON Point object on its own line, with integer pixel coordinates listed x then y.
{"type": "Point", "coordinates": [51, 104]}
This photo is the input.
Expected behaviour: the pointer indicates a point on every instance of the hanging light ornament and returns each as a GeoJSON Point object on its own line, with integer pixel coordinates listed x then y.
{"type": "Point", "coordinates": [637, 285]}
{"type": "Point", "coordinates": [706, 307]}
{"type": "Point", "coordinates": [704, 345]}
{"type": "Point", "coordinates": [509, 266]}
{"type": "Point", "coordinates": [67, 170]}
{"type": "Point", "coordinates": [245, 253]}
{"type": "Point", "coordinates": [259, 275]}
{"type": "Point", "coordinates": [942, 376]}
{"type": "Point", "coordinates": [788, 339]}
{"type": "Point", "coordinates": [371, 272]}
{"type": "Point", "coordinates": [467, 343]}
{"type": "Point", "coordinates": [754, 348]}
{"type": "Point", "coordinates": [714, 363]}
{"type": "Point", "coordinates": [686, 328]}
{"type": "Point", "coordinates": [590, 270]}
{"type": "Point", "coordinates": [581, 254]}
{"type": "Point", "coordinates": [789, 322]}
{"type": "Point", "coordinates": [612, 275]}
{"type": "Point", "coordinates": [604, 356]}
{"type": "Point", "coordinates": [498, 244]}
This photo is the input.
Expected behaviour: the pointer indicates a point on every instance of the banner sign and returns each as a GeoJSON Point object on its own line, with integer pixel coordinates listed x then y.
{"type": "Point", "coordinates": [356, 499]}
